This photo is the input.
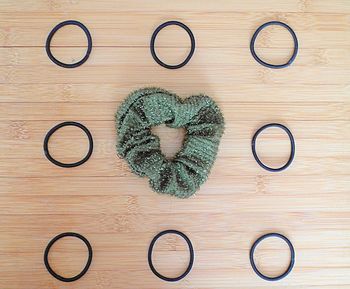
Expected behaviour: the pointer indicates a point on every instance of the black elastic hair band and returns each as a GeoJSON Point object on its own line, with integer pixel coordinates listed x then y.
{"type": "Point", "coordinates": [292, 144]}
{"type": "Point", "coordinates": [52, 33]}
{"type": "Point", "coordinates": [69, 165]}
{"type": "Point", "coordinates": [153, 39]}
{"type": "Point", "coordinates": [258, 59]}
{"type": "Point", "coordinates": [47, 250]}
{"type": "Point", "coordinates": [291, 263]}
{"type": "Point", "coordinates": [190, 264]}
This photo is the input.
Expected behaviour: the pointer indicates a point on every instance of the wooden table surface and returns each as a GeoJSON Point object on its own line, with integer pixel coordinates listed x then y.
{"type": "Point", "coordinates": [117, 211]}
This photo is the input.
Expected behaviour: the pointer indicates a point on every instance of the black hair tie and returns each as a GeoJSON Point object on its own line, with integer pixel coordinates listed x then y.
{"type": "Point", "coordinates": [69, 165]}
{"type": "Point", "coordinates": [88, 263]}
{"type": "Point", "coordinates": [258, 59]}
{"type": "Point", "coordinates": [292, 151]}
{"type": "Point", "coordinates": [153, 39]}
{"type": "Point", "coordinates": [190, 264]}
{"type": "Point", "coordinates": [52, 33]}
{"type": "Point", "coordinates": [291, 263]}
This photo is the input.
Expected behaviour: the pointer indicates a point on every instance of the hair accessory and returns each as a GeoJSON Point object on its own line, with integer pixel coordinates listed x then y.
{"type": "Point", "coordinates": [153, 39]}
{"type": "Point", "coordinates": [292, 144]}
{"type": "Point", "coordinates": [52, 33]}
{"type": "Point", "coordinates": [204, 124]}
{"type": "Point", "coordinates": [50, 133]}
{"type": "Point", "coordinates": [190, 264]}
{"type": "Point", "coordinates": [292, 257]}
{"type": "Point", "coordinates": [47, 250]}
{"type": "Point", "coordinates": [258, 59]}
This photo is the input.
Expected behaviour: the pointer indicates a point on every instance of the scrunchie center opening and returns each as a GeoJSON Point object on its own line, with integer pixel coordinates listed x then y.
{"type": "Point", "coordinates": [171, 139]}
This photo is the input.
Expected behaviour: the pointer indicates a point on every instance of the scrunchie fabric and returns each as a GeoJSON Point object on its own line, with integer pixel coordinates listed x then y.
{"type": "Point", "coordinates": [204, 124]}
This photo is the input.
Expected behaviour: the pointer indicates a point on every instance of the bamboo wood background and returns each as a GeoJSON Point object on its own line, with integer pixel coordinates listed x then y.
{"type": "Point", "coordinates": [117, 211]}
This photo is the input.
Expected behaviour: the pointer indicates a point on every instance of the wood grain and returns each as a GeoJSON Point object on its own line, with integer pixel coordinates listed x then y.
{"type": "Point", "coordinates": [117, 211]}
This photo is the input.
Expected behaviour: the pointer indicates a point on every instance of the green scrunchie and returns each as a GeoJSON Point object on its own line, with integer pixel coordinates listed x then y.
{"type": "Point", "coordinates": [199, 115]}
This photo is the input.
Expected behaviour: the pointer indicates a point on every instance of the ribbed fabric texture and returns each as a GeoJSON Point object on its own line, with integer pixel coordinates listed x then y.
{"type": "Point", "coordinates": [204, 124]}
